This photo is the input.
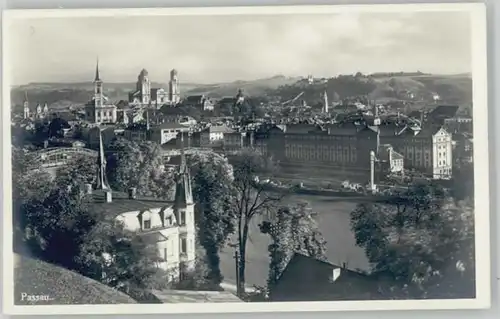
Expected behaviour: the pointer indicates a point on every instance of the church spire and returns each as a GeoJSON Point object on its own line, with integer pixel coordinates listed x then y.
{"type": "Point", "coordinates": [97, 74]}
{"type": "Point", "coordinates": [183, 191]}
{"type": "Point", "coordinates": [102, 182]}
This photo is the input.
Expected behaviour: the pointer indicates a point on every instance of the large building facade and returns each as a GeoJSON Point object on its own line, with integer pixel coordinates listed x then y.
{"type": "Point", "coordinates": [99, 110]}
{"type": "Point", "coordinates": [145, 96]}
{"type": "Point", "coordinates": [347, 146]}
{"type": "Point", "coordinates": [427, 149]}
{"type": "Point", "coordinates": [336, 146]}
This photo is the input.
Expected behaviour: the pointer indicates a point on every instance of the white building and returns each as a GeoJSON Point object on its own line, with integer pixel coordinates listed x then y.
{"type": "Point", "coordinates": [145, 96]}
{"type": "Point", "coordinates": [214, 135]}
{"type": "Point", "coordinates": [98, 110]}
{"type": "Point", "coordinates": [169, 224]}
{"type": "Point", "coordinates": [166, 132]}
{"type": "Point", "coordinates": [442, 156]}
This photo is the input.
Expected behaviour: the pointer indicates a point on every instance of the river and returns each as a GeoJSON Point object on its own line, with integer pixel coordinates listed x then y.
{"type": "Point", "coordinates": [333, 216]}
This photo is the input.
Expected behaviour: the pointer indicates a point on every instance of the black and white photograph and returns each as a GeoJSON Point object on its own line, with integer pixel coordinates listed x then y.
{"type": "Point", "coordinates": [246, 159]}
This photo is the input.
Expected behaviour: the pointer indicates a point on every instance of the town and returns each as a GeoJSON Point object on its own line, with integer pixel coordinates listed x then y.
{"type": "Point", "coordinates": [291, 196]}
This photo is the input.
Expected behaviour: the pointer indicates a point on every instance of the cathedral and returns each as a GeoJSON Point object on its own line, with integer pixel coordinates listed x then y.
{"type": "Point", "coordinates": [145, 96]}
{"type": "Point", "coordinates": [38, 113]}
{"type": "Point", "coordinates": [99, 110]}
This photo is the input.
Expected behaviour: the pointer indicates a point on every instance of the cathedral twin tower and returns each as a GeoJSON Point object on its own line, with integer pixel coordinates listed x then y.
{"type": "Point", "coordinates": [99, 110]}
{"type": "Point", "coordinates": [145, 95]}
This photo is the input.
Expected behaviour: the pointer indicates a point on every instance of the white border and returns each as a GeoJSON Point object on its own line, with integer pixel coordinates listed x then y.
{"type": "Point", "coordinates": [481, 169]}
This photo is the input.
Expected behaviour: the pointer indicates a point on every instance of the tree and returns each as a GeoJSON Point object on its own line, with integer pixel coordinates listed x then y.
{"type": "Point", "coordinates": [140, 166]}
{"type": "Point", "coordinates": [212, 180]}
{"type": "Point", "coordinates": [54, 225]}
{"type": "Point", "coordinates": [29, 186]}
{"type": "Point", "coordinates": [250, 199]}
{"type": "Point", "coordinates": [56, 126]}
{"type": "Point", "coordinates": [121, 259]}
{"type": "Point", "coordinates": [199, 278]}
{"type": "Point", "coordinates": [418, 239]}
{"type": "Point", "coordinates": [292, 230]}
{"type": "Point", "coordinates": [80, 170]}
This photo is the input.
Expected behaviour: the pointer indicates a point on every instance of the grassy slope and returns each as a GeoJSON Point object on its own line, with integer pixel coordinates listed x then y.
{"type": "Point", "coordinates": [35, 277]}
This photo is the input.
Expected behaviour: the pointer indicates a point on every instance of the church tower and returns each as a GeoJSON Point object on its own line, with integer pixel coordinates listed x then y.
{"type": "Point", "coordinates": [184, 212]}
{"type": "Point", "coordinates": [98, 94]}
{"type": "Point", "coordinates": [144, 86]}
{"type": "Point", "coordinates": [325, 102]}
{"type": "Point", "coordinates": [45, 109]}
{"type": "Point", "coordinates": [26, 106]}
{"type": "Point", "coordinates": [102, 181]}
{"type": "Point", "coordinates": [173, 87]}
{"type": "Point", "coordinates": [39, 111]}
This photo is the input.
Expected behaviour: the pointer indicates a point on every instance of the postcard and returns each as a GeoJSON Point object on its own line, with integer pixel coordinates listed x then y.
{"type": "Point", "coordinates": [247, 159]}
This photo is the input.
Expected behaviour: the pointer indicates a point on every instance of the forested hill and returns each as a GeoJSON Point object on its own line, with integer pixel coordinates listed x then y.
{"type": "Point", "coordinates": [453, 89]}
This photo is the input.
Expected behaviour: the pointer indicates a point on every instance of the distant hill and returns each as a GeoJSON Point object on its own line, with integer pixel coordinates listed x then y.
{"type": "Point", "coordinates": [455, 89]}
{"type": "Point", "coordinates": [257, 87]}
{"type": "Point", "coordinates": [36, 277]}
{"type": "Point", "coordinates": [81, 92]}
{"type": "Point", "coordinates": [77, 93]}
{"type": "Point", "coordinates": [452, 89]}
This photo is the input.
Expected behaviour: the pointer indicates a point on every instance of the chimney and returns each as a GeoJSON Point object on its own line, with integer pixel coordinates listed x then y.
{"type": "Point", "coordinates": [335, 274]}
{"type": "Point", "coordinates": [88, 189]}
{"type": "Point", "coordinates": [108, 196]}
{"type": "Point", "coordinates": [132, 193]}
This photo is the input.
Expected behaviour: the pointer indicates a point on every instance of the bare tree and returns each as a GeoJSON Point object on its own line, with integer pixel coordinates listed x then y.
{"type": "Point", "coordinates": [252, 197]}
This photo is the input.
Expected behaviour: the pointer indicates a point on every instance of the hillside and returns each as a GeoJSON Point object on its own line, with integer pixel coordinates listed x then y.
{"type": "Point", "coordinates": [251, 88]}
{"type": "Point", "coordinates": [452, 89]}
{"type": "Point", "coordinates": [36, 277]}
{"type": "Point", "coordinates": [79, 93]}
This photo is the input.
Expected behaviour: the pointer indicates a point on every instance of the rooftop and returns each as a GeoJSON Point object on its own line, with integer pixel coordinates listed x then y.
{"type": "Point", "coordinates": [309, 279]}
{"type": "Point", "coordinates": [219, 129]}
{"type": "Point", "coordinates": [172, 125]}
{"type": "Point", "coordinates": [122, 204]}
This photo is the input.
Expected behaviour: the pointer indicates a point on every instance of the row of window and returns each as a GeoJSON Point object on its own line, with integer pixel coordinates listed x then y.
{"type": "Point", "coordinates": [333, 156]}
{"type": "Point", "coordinates": [169, 221]}
{"type": "Point", "coordinates": [320, 137]}
{"type": "Point", "coordinates": [442, 163]}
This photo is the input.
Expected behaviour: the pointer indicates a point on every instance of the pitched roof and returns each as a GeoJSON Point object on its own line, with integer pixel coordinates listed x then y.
{"type": "Point", "coordinates": [219, 129]}
{"type": "Point", "coordinates": [122, 204]}
{"type": "Point", "coordinates": [301, 128]}
{"type": "Point", "coordinates": [172, 125]}
{"type": "Point", "coordinates": [309, 279]}
{"type": "Point", "coordinates": [444, 111]}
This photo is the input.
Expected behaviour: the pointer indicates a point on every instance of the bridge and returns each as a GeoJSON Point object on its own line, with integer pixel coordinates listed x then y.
{"type": "Point", "coordinates": [59, 156]}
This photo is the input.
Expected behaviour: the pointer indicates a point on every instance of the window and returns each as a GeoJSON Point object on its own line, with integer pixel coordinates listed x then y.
{"type": "Point", "coordinates": [147, 224]}
{"type": "Point", "coordinates": [183, 245]}
{"type": "Point", "coordinates": [182, 217]}
{"type": "Point", "coordinates": [165, 254]}
{"type": "Point", "coordinates": [169, 221]}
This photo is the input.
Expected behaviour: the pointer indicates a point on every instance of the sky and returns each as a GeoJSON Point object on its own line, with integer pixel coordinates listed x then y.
{"type": "Point", "coordinates": [211, 49]}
